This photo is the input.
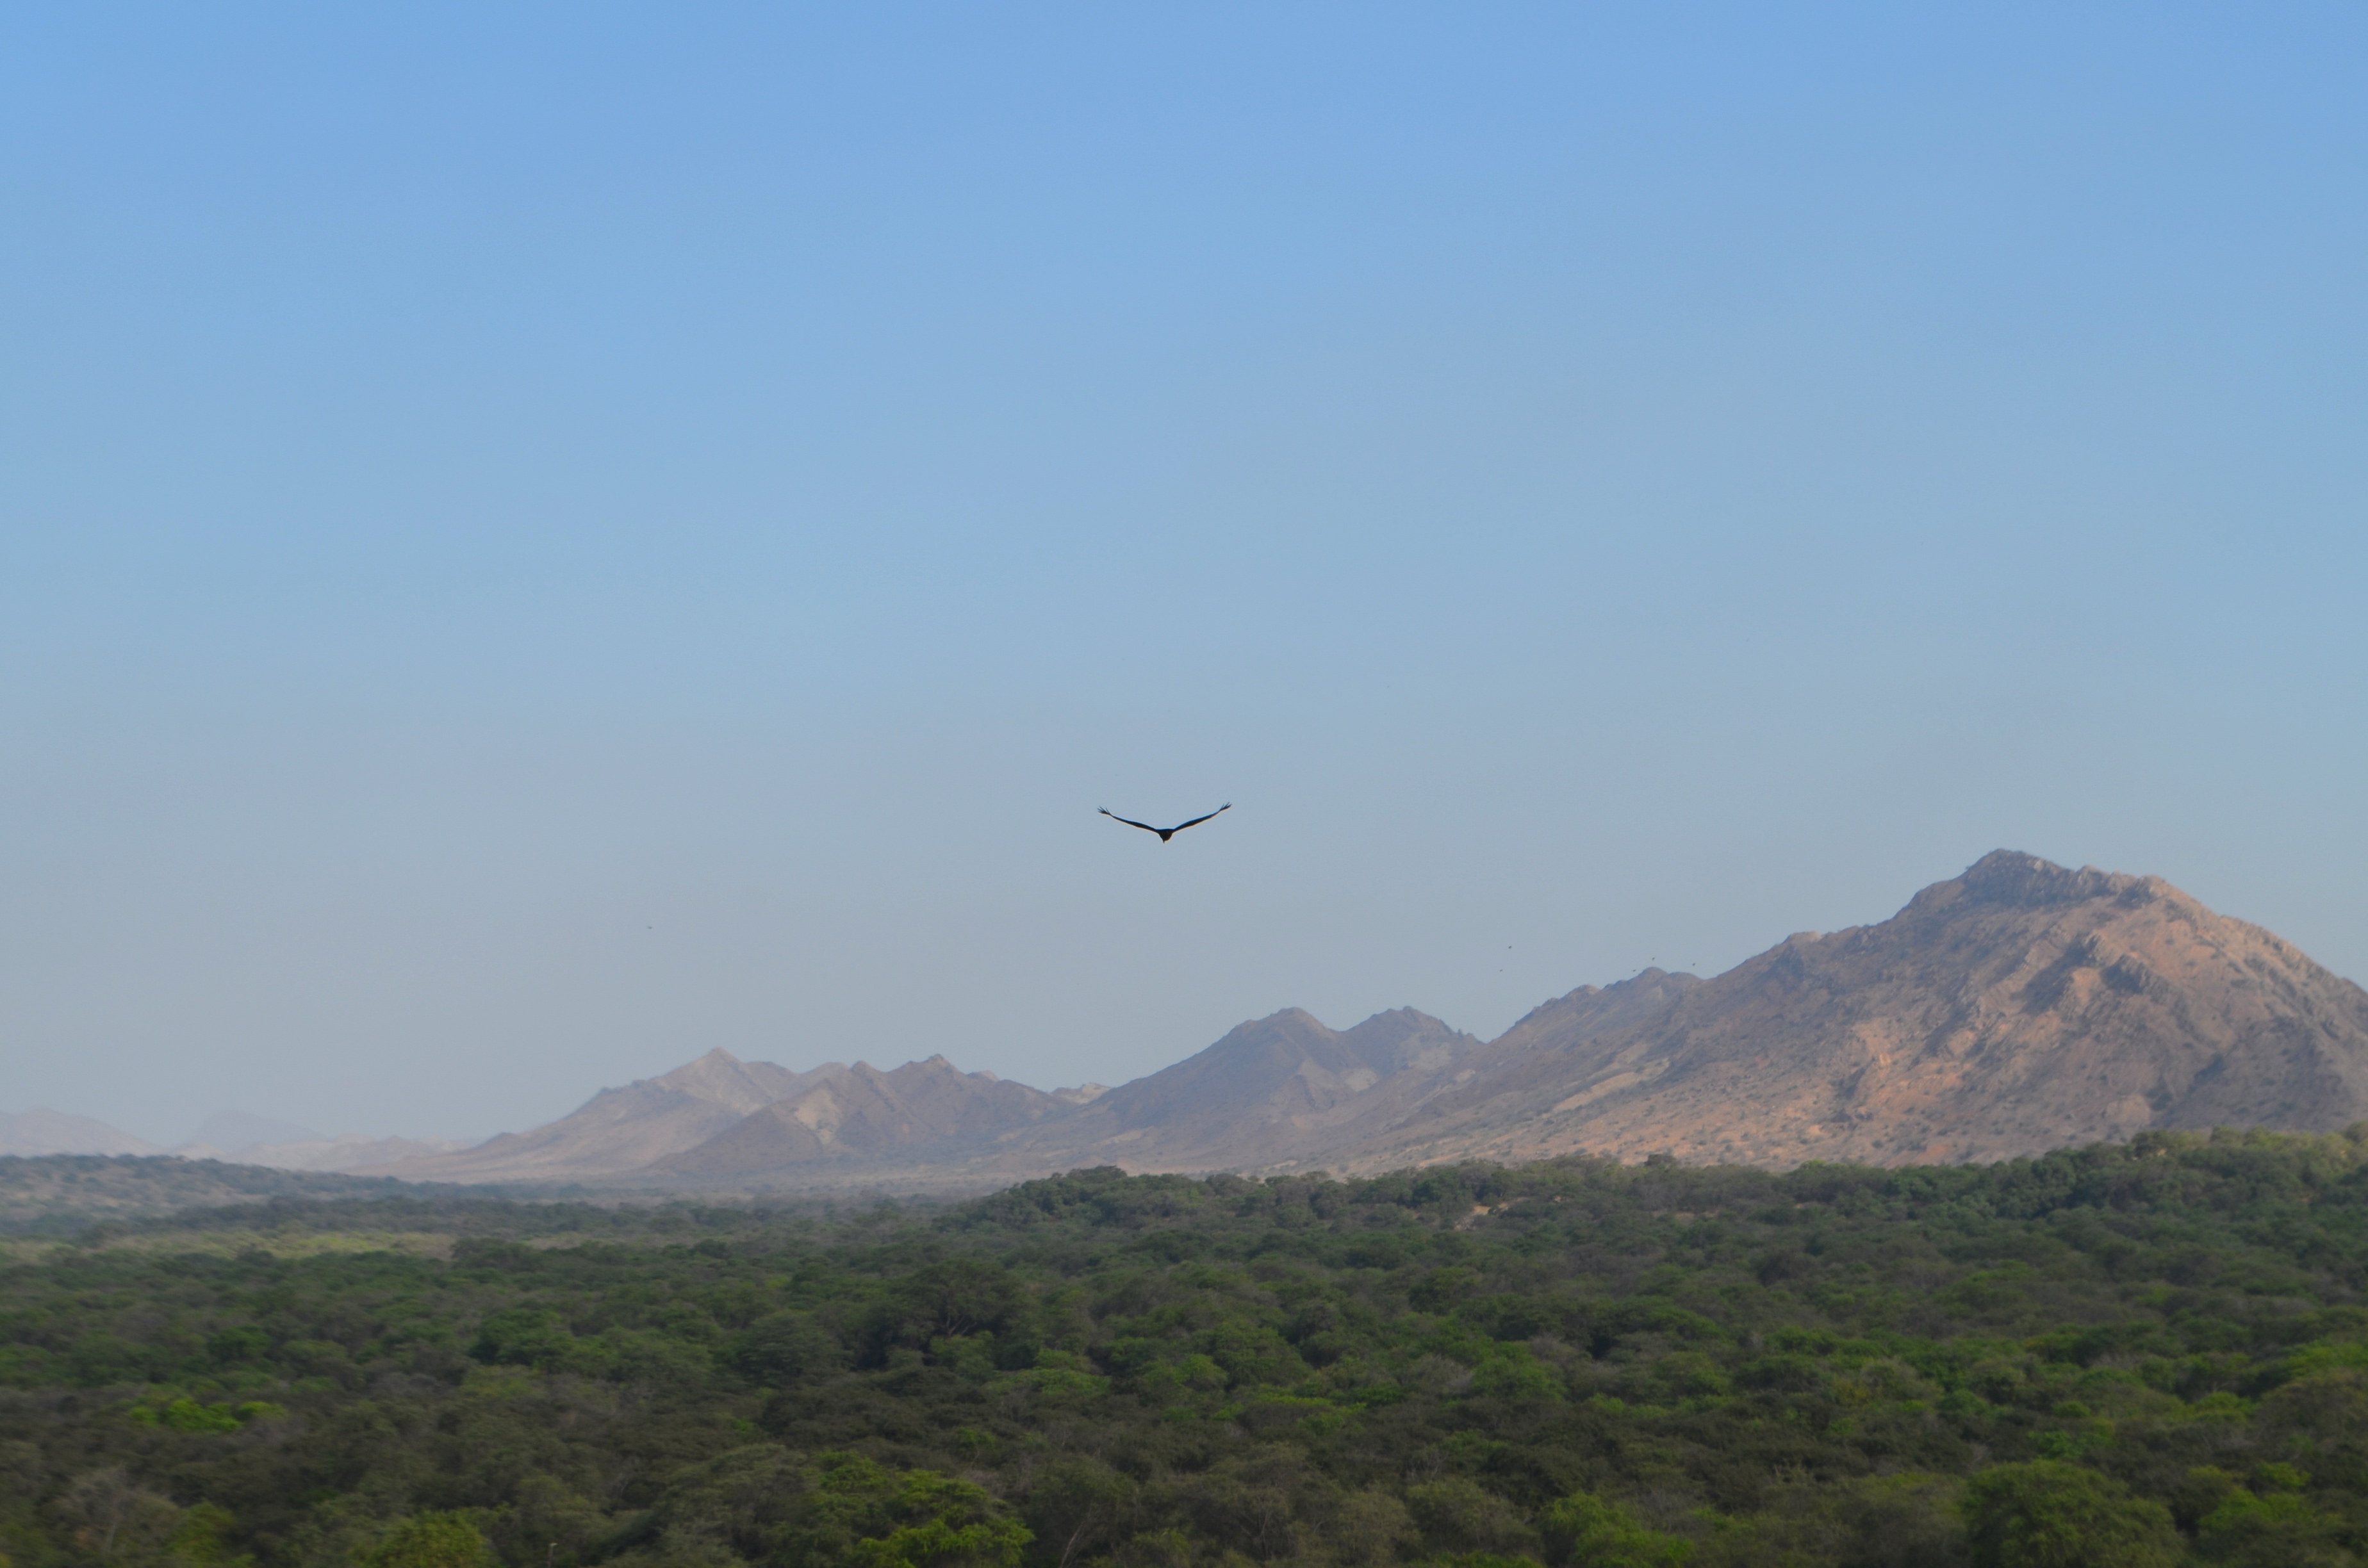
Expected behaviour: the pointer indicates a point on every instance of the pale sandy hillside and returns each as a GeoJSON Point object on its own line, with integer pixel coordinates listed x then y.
{"type": "Point", "coordinates": [2019, 1007]}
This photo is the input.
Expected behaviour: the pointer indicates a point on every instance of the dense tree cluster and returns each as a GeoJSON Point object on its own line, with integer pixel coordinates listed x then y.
{"type": "Point", "coordinates": [2123, 1356]}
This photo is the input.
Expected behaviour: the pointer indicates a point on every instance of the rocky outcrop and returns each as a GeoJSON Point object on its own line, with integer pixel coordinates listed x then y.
{"type": "Point", "coordinates": [2019, 1007]}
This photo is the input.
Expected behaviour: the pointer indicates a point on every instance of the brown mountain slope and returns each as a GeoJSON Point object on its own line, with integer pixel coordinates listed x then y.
{"type": "Point", "coordinates": [864, 1114]}
{"type": "Point", "coordinates": [623, 1130]}
{"type": "Point", "coordinates": [2017, 1008]}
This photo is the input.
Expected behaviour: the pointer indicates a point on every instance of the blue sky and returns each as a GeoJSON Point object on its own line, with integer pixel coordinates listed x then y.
{"type": "Point", "coordinates": [534, 542]}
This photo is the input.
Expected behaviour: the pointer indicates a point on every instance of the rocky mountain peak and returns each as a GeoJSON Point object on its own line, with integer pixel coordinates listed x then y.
{"type": "Point", "coordinates": [2017, 881]}
{"type": "Point", "coordinates": [2019, 1007]}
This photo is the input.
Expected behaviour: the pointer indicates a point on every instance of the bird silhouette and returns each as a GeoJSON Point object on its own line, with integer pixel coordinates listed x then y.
{"type": "Point", "coordinates": [1165, 832]}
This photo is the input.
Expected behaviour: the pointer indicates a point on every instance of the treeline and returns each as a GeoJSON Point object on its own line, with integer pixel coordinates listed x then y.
{"type": "Point", "coordinates": [2132, 1355]}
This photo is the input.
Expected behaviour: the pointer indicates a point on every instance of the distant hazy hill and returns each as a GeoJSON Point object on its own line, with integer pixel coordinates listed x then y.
{"type": "Point", "coordinates": [627, 1129]}
{"type": "Point", "coordinates": [238, 1137]}
{"type": "Point", "coordinates": [235, 1129]}
{"type": "Point", "coordinates": [42, 1131]}
{"type": "Point", "coordinates": [350, 1152]}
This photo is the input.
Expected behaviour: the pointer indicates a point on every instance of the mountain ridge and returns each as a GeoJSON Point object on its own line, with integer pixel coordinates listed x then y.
{"type": "Point", "coordinates": [2019, 1006]}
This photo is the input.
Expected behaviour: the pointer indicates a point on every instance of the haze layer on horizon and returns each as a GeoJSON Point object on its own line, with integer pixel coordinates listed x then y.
{"type": "Point", "coordinates": [537, 543]}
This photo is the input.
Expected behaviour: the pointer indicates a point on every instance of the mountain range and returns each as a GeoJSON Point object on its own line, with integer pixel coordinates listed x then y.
{"type": "Point", "coordinates": [2018, 1008]}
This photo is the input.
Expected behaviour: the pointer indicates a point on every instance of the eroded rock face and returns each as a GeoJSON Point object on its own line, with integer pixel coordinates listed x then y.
{"type": "Point", "coordinates": [2020, 1008]}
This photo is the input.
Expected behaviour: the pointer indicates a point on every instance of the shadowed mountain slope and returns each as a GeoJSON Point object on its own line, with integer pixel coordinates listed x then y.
{"type": "Point", "coordinates": [2019, 1007]}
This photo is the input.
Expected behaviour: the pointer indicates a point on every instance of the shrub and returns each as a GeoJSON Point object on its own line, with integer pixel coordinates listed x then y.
{"type": "Point", "coordinates": [2050, 1515]}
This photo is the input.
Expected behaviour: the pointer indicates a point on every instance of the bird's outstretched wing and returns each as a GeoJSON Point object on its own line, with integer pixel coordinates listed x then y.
{"type": "Point", "coordinates": [1129, 821]}
{"type": "Point", "coordinates": [1198, 821]}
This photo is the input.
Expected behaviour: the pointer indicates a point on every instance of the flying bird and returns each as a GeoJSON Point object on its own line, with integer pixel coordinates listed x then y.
{"type": "Point", "coordinates": [1165, 832]}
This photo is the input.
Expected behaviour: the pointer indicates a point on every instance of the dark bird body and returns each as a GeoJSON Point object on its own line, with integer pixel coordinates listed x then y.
{"type": "Point", "coordinates": [1165, 832]}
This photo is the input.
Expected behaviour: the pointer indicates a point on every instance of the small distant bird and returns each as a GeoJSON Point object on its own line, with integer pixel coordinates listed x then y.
{"type": "Point", "coordinates": [1165, 832]}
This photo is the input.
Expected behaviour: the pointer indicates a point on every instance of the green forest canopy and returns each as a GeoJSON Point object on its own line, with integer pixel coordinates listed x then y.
{"type": "Point", "coordinates": [2131, 1354]}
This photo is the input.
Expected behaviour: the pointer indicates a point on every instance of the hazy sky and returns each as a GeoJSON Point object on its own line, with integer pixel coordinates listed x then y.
{"type": "Point", "coordinates": [538, 541]}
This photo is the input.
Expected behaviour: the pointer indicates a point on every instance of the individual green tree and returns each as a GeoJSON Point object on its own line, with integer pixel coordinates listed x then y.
{"type": "Point", "coordinates": [744, 1503]}
{"type": "Point", "coordinates": [1909, 1520]}
{"type": "Point", "coordinates": [1459, 1515]}
{"type": "Point", "coordinates": [548, 1522]}
{"type": "Point", "coordinates": [2048, 1514]}
{"type": "Point", "coordinates": [112, 1519]}
{"type": "Point", "coordinates": [431, 1540]}
{"type": "Point", "coordinates": [189, 1415]}
{"type": "Point", "coordinates": [1369, 1526]}
{"type": "Point", "coordinates": [1588, 1532]}
{"type": "Point", "coordinates": [1077, 1503]}
{"type": "Point", "coordinates": [2271, 1525]}
{"type": "Point", "coordinates": [203, 1539]}
{"type": "Point", "coordinates": [784, 1348]}
{"type": "Point", "coordinates": [862, 1514]}
{"type": "Point", "coordinates": [530, 1336]}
